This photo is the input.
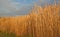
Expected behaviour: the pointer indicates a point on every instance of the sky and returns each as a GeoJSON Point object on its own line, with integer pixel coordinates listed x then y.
{"type": "Point", "coordinates": [18, 7]}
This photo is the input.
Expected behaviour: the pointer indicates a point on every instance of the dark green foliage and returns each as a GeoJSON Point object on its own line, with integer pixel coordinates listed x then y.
{"type": "Point", "coordinates": [25, 35]}
{"type": "Point", "coordinates": [7, 34]}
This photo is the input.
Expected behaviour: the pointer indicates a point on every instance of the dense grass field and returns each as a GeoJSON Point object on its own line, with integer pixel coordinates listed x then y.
{"type": "Point", "coordinates": [41, 22]}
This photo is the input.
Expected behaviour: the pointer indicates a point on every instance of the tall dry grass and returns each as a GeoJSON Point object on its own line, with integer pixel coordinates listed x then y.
{"type": "Point", "coordinates": [41, 22]}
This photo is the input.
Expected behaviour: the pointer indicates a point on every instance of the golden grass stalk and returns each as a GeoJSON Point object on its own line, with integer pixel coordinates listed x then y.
{"type": "Point", "coordinates": [42, 22]}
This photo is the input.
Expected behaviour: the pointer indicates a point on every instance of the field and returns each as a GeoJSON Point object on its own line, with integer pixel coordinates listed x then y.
{"type": "Point", "coordinates": [41, 22]}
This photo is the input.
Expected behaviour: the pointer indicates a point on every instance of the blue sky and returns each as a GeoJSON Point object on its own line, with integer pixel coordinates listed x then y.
{"type": "Point", "coordinates": [20, 3]}
{"type": "Point", "coordinates": [19, 7]}
{"type": "Point", "coordinates": [25, 1]}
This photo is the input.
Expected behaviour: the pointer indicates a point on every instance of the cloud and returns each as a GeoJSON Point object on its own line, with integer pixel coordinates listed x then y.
{"type": "Point", "coordinates": [5, 4]}
{"type": "Point", "coordinates": [9, 8]}
{"type": "Point", "coordinates": [13, 8]}
{"type": "Point", "coordinates": [24, 9]}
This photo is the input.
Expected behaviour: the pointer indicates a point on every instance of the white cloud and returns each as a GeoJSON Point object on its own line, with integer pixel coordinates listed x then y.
{"type": "Point", "coordinates": [16, 4]}
{"type": "Point", "coordinates": [8, 8]}
{"type": "Point", "coordinates": [5, 4]}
